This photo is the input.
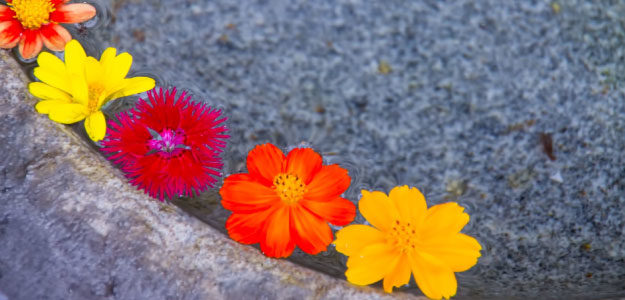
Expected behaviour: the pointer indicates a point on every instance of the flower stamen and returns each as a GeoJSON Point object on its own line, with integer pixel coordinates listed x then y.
{"type": "Point", "coordinates": [32, 14]}
{"type": "Point", "coordinates": [289, 187]}
{"type": "Point", "coordinates": [403, 236]}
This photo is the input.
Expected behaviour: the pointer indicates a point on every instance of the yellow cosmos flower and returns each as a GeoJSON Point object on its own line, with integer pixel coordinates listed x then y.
{"type": "Point", "coordinates": [77, 89]}
{"type": "Point", "coordinates": [408, 238]}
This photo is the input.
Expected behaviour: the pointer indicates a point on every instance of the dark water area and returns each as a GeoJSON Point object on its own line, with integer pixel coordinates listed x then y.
{"type": "Point", "coordinates": [513, 109]}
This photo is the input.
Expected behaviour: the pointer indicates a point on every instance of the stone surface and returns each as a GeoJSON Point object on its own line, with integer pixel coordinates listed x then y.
{"type": "Point", "coordinates": [448, 96]}
{"type": "Point", "coordinates": [72, 228]}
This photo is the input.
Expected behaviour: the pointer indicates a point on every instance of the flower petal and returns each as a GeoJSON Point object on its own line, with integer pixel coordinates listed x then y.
{"type": "Point", "coordinates": [47, 92]}
{"type": "Point", "coordinates": [95, 125]}
{"type": "Point", "coordinates": [75, 59]}
{"type": "Point", "coordinates": [130, 86]}
{"type": "Point", "coordinates": [311, 233]}
{"type": "Point", "coordinates": [378, 209]}
{"type": "Point", "coordinates": [10, 32]}
{"type": "Point", "coordinates": [241, 193]}
{"type": "Point", "coordinates": [435, 279]}
{"type": "Point", "coordinates": [330, 182]}
{"type": "Point", "coordinates": [72, 13]}
{"type": "Point", "coordinates": [371, 264]}
{"type": "Point", "coordinates": [108, 55]}
{"type": "Point", "coordinates": [409, 202]}
{"type": "Point", "coordinates": [278, 242]}
{"type": "Point", "coordinates": [353, 238]}
{"type": "Point", "coordinates": [248, 228]}
{"type": "Point", "coordinates": [398, 276]}
{"type": "Point", "coordinates": [30, 45]}
{"type": "Point", "coordinates": [459, 251]}
{"type": "Point", "coordinates": [54, 36]}
{"type": "Point", "coordinates": [265, 162]}
{"type": "Point", "coordinates": [303, 162]}
{"type": "Point", "coordinates": [67, 113]}
{"type": "Point", "coordinates": [337, 211]}
{"type": "Point", "coordinates": [45, 106]}
{"type": "Point", "coordinates": [93, 70]}
{"type": "Point", "coordinates": [6, 13]}
{"type": "Point", "coordinates": [443, 219]}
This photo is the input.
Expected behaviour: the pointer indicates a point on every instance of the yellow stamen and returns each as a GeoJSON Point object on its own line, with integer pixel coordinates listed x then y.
{"type": "Point", "coordinates": [95, 91]}
{"type": "Point", "coordinates": [403, 235]}
{"type": "Point", "coordinates": [32, 13]}
{"type": "Point", "coordinates": [289, 187]}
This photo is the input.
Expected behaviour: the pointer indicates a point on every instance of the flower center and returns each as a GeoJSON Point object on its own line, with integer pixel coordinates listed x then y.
{"type": "Point", "coordinates": [289, 187]}
{"type": "Point", "coordinates": [94, 97]}
{"type": "Point", "coordinates": [167, 143]}
{"type": "Point", "coordinates": [32, 13]}
{"type": "Point", "coordinates": [403, 235]}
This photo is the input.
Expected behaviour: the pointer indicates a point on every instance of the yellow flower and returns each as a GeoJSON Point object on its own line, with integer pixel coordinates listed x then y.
{"type": "Point", "coordinates": [77, 89]}
{"type": "Point", "coordinates": [408, 238]}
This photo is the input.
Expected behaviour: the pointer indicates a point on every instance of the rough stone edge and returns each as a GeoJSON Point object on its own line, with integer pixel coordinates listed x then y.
{"type": "Point", "coordinates": [174, 230]}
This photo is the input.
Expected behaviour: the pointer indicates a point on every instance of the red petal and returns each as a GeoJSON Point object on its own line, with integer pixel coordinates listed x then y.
{"type": "Point", "coordinates": [330, 182]}
{"type": "Point", "coordinates": [310, 232]}
{"type": "Point", "coordinates": [303, 162]}
{"type": "Point", "coordinates": [265, 162]}
{"type": "Point", "coordinates": [241, 193]}
{"type": "Point", "coordinates": [10, 32]}
{"type": "Point", "coordinates": [278, 241]}
{"type": "Point", "coordinates": [6, 13]}
{"type": "Point", "coordinates": [248, 228]}
{"type": "Point", "coordinates": [30, 44]}
{"type": "Point", "coordinates": [337, 211]}
{"type": "Point", "coordinates": [72, 13]}
{"type": "Point", "coordinates": [55, 36]}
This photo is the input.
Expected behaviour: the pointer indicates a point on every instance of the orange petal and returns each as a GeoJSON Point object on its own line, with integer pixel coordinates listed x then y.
{"type": "Point", "coordinates": [265, 162]}
{"type": "Point", "coordinates": [72, 13]}
{"type": "Point", "coordinates": [330, 182]}
{"type": "Point", "coordinates": [248, 228]}
{"type": "Point", "coordinates": [30, 44]}
{"type": "Point", "coordinates": [398, 276]}
{"type": "Point", "coordinates": [241, 193]}
{"type": "Point", "coordinates": [353, 238]}
{"type": "Point", "coordinates": [435, 279]}
{"type": "Point", "coordinates": [311, 233]}
{"type": "Point", "coordinates": [278, 241]}
{"type": "Point", "coordinates": [443, 219]}
{"type": "Point", "coordinates": [371, 264]}
{"type": "Point", "coordinates": [9, 33]}
{"type": "Point", "coordinates": [55, 36]}
{"type": "Point", "coordinates": [378, 209]}
{"type": "Point", "coordinates": [409, 202]}
{"type": "Point", "coordinates": [6, 13]}
{"type": "Point", "coordinates": [337, 211]}
{"type": "Point", "coordinates": [458, 251]}
{"type": "Point", "coordinates": [303, 162]}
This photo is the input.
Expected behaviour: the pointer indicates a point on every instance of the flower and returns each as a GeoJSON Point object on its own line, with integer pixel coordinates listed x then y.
{"type": "Point", "coordinates": [407, 237]}
{"type": "Point", "coordinates": [285, 201]}
{"type": "Point", "coordinates": [32, 23]}
{"type": "Point", "coordinates": [79, 88]}
{"type": "Point", "coordinates": [168, 147]}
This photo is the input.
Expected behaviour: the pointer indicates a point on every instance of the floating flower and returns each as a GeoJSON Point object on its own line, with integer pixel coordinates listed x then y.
{"type": "Point", "coordinates": [408, 238]}
{"type": "Point", "coordinates": [168, 147]}
{"type": "Point", "coordinates": [285, 201]}
{"type": "Point", "coordinates": [33, 23]}
{"type": "Point", "coordinates": [78, 89]}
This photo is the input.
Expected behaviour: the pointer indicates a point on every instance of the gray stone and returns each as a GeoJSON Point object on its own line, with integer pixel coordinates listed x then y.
{"type": "Point", "coordinates": [449, 96]}
{"type": "Point", "coordinates": [71, 227]}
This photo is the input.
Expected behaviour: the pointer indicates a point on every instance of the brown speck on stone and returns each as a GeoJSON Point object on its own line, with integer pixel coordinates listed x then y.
{"type": "Point", "coordinates": [582, 193]}
{"type": "Point", "coordinates": [139, 35]}
{"type": "Point", "coordinates": [253, 137]}
{"type": "Point", "coordinates": [224, 38]}
{"type": "Point", "coordinates": [231, 26]}
{"type": "Point", "coordinates": [588, 275]}
{"type": "Point", "coordinates": [547, 142]}
{"type": "Point", "coordinates": [384, 67]}
{"type": "Point", "coordinates": [585, 246]}
{"type": "Point", "coordinates": [320, 109]}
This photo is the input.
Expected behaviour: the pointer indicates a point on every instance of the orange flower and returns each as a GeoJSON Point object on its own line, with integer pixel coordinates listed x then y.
{"type": "Point", "coordinates": [285, 201]}
{"type": "Point", "coordinates": [34, 23]}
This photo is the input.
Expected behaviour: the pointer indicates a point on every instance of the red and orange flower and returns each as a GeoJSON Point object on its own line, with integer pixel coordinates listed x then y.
{"type": "Point", "coordinates": [34, 23]}
{"type": "Point", "coordinates": [284, 201]}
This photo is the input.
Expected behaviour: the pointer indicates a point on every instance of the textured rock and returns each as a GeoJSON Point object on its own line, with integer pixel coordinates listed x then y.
{"type": "Point", "coordinates": [448, 96]}
{"type": "Point", "coordinates": [72, 228]}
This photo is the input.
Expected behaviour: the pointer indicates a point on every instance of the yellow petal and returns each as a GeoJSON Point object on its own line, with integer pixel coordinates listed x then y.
{"type": "Point", "coordinates": [398, 276]}
{"type": "Point", "coordinates": [47, 92]}
{"type": "Point", "coordinates": [75, 59]}
{"type": "Point", "coordinates": [458, 251]}
{"type": "Point", "coordinates": [117, 68]}
{"type": "Point", "coordinates": [435, 279]}
{"type": "Point", "coordinates": [93, 71]}
{"type": "Point", "coordinates": [371, 264]}
{"type": "Point", "coordinates": [55, 78]}
{"type": "Point", "coordinates": [48, 60]}
{"type": "Point", "coordinates": [443, 219]}
{"type": "Point", "coordinates": [45, 106]}
{"type": "Point", "coordinates": [95, 125]}
{"type": "Point", "coordinates": [67, 113]}
{"type": "Point", "coordinates": [410, 202]}
{"type": "Point", "coordinates": [131, 86]}
{"type": "Point", "coordinates": [351, 239]}
{"type": "Point", "coordinates": [378, 209]}
{"type": "Point", "coordinates": [108, 55]}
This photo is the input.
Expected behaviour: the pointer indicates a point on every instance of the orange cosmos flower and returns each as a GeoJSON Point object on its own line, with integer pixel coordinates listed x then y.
{"type": "Point", "coordinates": [284, 201]}
{"type": "Point", "coordinates": [34, 23]}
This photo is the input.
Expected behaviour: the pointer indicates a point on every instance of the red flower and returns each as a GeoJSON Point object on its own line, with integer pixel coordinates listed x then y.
{"type": "Point", "coordinates": [168, 147]}
{"type": "Point", "coordinates": [285, 201]}
{"type": "Point", "coordinates": [34, 23]}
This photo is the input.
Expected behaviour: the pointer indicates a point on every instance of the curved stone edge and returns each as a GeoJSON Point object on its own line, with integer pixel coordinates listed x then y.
{"type": "Point", "coordinates": [71, 227]}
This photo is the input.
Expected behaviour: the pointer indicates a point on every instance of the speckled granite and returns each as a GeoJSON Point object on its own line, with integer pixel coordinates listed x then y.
{"type": "Point", "coordinates": [72, 228]}
{"type": "Point", "coordinates": [449, 96]}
